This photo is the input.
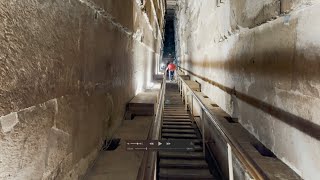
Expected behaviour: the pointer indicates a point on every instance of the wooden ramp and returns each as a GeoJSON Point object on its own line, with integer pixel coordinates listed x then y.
{"type": "Point", "coordinates": [177, 124]}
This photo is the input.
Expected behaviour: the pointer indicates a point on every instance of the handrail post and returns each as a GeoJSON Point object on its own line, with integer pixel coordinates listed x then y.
{"type": "Point", "coordinates": [203, 132]}
{"type": "Point", "coordinates": [180, 86]}
{"type": "Point", "coordinates": [186, 100]}
{"type": "Point", "coordinates": [230, 165]}
{"type": "Point", "coordinates": [183, 98]}
{"type": "Point", "coordinates": [191, 107]}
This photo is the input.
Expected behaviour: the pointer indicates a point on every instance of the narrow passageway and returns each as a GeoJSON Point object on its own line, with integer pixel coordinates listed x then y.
{"type": "Point", "coordinates": [83, 92]}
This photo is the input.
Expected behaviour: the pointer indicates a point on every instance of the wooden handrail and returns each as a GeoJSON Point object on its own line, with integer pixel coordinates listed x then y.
{"type": "Point", "coordinates": [148, 167]}
{"type": "Point", "coordinates": [253, 169]}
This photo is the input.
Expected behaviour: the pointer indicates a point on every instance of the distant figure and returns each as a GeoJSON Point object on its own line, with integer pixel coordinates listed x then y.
{"type": "Point", "coordinates": [171, 68]}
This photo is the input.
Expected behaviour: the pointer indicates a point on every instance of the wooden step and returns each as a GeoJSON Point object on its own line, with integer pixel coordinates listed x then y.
{"type": "Point", "coordinates": [181, 155]}
{"type": "Point", "coordinates": [166, 113]}
{"type": "Point", "coordinates": [176, 123]}
{"type": "Point", "coordinates": [183, 163]}
{"type": "Point", "coordinates": [176, 120]}
{"type": "Point", "coordinates": [179, 101]}
{"type": "Point", "coordinates": [177, 127]}
{"type": "Point", "coordinates": [178, 106]}
{"type": "Point", "coordinates": [198, 148]}
{"type": "Point", "coordinates": [175, 110]}
{"type": "Point", "coordinates": [176, 117]}
{"type": "Point", "coordinates": [179, 136]}
{"type": "Point", "coordinates": [197, 142]}
{"type": "Point", "coordinates": [174, 107]}
{"type": "Point", "coordinates": [179, 174]}
{"type": "Point", "coordinates": [187, 131]}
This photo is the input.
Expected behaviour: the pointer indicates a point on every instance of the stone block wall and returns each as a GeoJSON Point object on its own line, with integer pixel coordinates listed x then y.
{"type": "Point", "coordinates": [67, 70]}
{"type": "Point", "coordinates": [259, 61]}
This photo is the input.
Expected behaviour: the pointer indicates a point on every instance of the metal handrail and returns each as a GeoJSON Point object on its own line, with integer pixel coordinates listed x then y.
{"type": "Point", "coordinates": [252, 168]}
{"type": "Point", "coordinates": [148, 167]}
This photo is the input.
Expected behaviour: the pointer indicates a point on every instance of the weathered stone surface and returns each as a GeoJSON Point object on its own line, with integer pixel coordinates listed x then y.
{"type": "Point", "coordinates": [59, 146]}
{"type": "Point", "coordinates": [68, 108]}
{"type": "Point", "coordinates": [23, 150]}
{"type": "Point", "coordinates": [85, 59]}
{"type": "Point", "coordinates": [80, 168]}
{"type": "Point", "coordinates": [8, 122]}
{"type": "Point", "coordinates": [265, 76]}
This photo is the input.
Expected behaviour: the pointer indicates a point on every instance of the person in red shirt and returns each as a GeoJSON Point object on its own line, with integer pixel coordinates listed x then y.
{"type": "Point", "coordinates": [171, 68]}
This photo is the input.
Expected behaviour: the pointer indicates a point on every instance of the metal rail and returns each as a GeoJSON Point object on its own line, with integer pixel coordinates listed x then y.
{"type": "Point", "coordinates": [148, 167]}
{"type": "Point", "coordinates": [232, 144]}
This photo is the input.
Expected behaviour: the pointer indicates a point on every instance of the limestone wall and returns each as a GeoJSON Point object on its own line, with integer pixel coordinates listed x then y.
{"type": "Point", "coordinates": [68, 67]}
{"type": "Point", "coordinates": [259, 60]}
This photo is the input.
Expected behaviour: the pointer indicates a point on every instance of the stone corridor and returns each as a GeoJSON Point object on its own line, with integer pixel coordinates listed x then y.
{"type": "Point", "coordinates": [70, 68]}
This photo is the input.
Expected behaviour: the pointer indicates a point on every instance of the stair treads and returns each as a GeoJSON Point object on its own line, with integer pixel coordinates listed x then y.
{"type": "Point", "coordinates": [176, 113]}
{"type": "Point", "coordinates": [179, 136]}
{"type": "Point", "coordinates": [177, 127]}
{"type": "Point", "coordinates": [195, 141]}
{"type": "Point", "coordinates": [177, 123]}
{"type": "Point", "coordinates": [187, 131]}
{"type": "Point", "coordinates": [181, 155]}
{"type": "Point", "coordinates": [177, 120]}
{"type": "Point", "coordinates": [175, 110]}
{"type": "Point", "coordinates": [176, 117]}
{"type": "Point", "coordinates": [171, 114]}
{"type": "Point", "coordinates": [178, 174]}
{"type": "Point", "coordinates": [182, 115]}
{"type": "Point", "coordinates": [174, 106]}
{"type": "Point", "coordinates": [183, 163]}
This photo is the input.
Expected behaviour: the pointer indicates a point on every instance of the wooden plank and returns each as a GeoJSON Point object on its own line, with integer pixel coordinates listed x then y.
{"type": "Point", "coordinates": [186, 131]}
{"type": "Point", "coordinates": [179, 136]}
{"type": "Point", "coordinates": [176, 120]}
{"type": "Point", "coordinates": [167, 116]}
{"type": "Point", "coordinates": [177, 123]}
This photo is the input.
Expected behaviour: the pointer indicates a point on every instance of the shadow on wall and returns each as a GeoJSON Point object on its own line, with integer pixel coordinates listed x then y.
{"type": "Point", "coordinates": [274, 62]}
{"type": "Point", "coordinates": [299, 123]}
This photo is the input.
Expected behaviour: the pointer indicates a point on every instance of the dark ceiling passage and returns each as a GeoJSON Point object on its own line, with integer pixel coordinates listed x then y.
{"type": "Point", "coordinates": [169, 43]}
{"type": "Point", "coordinates": [169, 50]}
